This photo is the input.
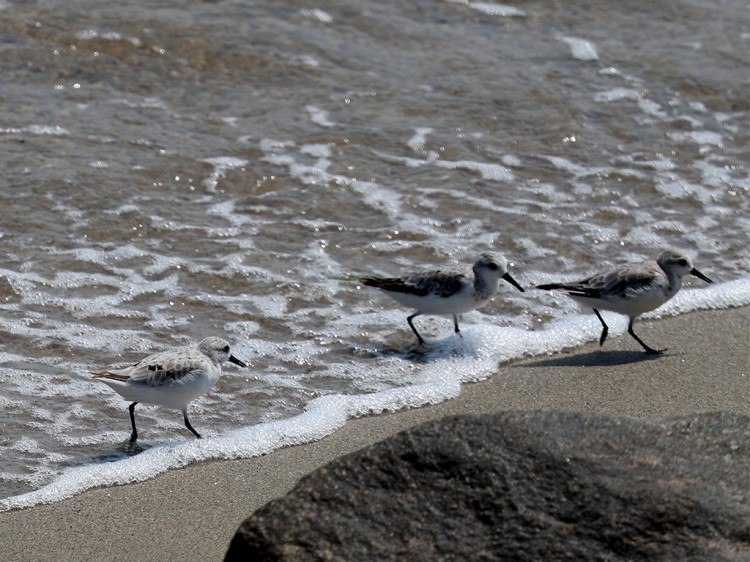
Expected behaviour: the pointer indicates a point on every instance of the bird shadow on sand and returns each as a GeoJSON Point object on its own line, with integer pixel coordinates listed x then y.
{"type": "Point", "coordinates": [421, 354]}
{"type": "Point", "coordinates": [597, 358]}
{"type": "Point", "coordinates": [117, 452]}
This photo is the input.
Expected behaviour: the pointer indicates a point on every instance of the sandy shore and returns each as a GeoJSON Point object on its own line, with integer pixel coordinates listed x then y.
{"type": "Point", "coordinates": [192, 514]}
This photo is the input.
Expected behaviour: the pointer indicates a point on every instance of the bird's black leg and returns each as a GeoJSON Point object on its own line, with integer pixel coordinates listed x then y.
{"type": "Point", "coordinates": [134, 435]}
{"type": "Point", "coordinates": [605, 329]}
{"type": "Point", "coordinates": [455, 324]}
{"type": "Point", "coordinates": [413, 329]}
{"type": "Point", "coordinates": [648, 349]}
{"type": "Point", "coordinates": [187, 424]}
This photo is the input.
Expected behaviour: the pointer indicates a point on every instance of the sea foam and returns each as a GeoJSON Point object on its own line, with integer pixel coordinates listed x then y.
{"type": "Point", "coordinates": [452, 362]}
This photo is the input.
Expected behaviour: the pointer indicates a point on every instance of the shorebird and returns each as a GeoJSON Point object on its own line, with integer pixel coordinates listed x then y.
{"type": "Point", "coordinates": [632, 289]}
{"type": "Point", "coordinates": [170, 378]}
{"type": "Point", "coordinates": [447, 291]}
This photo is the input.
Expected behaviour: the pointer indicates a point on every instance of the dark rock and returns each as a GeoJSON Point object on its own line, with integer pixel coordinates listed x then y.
{"type": "Point", "coordinates": [522, 486]}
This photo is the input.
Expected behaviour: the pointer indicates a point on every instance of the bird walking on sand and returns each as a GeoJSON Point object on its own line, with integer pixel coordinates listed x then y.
{"type": "Point", "coordinates": [632, 289]}
{"type": "Point", "coordinates": [447, 291]}
{"type": "Point", "coordinates": [170, 378]}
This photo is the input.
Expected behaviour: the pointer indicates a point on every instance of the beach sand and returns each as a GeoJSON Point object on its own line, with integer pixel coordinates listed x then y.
{"type": "Point", "coordinates": [192, 513]}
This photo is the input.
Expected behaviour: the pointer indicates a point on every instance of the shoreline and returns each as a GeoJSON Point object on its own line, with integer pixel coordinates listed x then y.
{"type": "Point", "coordinates": [192, 513]}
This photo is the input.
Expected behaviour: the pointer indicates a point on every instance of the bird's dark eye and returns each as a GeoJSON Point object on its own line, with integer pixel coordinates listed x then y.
{"type": "Point", "coordinates": [492, 266]}
{"type": "Point", "coordinates": [683, 263]}
{"type": "Point", "coordinates": [226, 349]}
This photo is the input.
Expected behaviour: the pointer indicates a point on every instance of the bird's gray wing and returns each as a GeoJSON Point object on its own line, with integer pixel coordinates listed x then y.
{"type": "Point", "coordinates": [159, 369]}
{"type": "Point", "coordinates": [439, 283]}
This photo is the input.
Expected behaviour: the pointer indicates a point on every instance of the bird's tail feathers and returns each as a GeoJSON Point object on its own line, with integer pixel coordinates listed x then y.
{"type": "Point", "coordinates": [109, 375]}
{"type": "Point", "coordinates": [373, 281]}
{"type": "Point", "coordinates": [552, 286]}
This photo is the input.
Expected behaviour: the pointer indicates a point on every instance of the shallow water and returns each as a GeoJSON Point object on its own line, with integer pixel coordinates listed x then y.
{"type": "Point", "coordinates": [177, 171]}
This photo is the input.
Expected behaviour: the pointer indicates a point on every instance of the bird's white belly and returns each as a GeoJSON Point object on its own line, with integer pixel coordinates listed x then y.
{"type": "Point", "coordinates": [458, 303]}
{"type": "Point", "coordinates": [175, 394]}
{"type": "Point", "coordinates": [630, 307]}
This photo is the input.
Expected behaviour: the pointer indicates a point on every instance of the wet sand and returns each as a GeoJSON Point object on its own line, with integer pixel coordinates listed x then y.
{"type": "Point", "coordinates": [192, 514]}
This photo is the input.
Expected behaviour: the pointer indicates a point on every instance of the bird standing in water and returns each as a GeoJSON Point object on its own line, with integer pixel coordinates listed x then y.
{"type": "Point", "coordinates": [447, 291]}
{"type": "Point", "coordinates": [632, 289]}
{"type": "Point", "coordinates": [170, 378]}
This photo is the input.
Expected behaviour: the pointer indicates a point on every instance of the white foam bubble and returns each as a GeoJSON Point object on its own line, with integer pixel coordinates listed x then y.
{"type": "Point", "coordinates": [317, 14]}
{"type": "Point", "coordinates": [417, 142]}
{"type": "Point", "coordinates": [577, 170]}
{"type": "Point", "coordinates": [452, 361]}
{"type": "Point", "coordinates": [497, 9]}
{"type": "Point", "coordinates": [680, 189]}
{"type": "Point", "coordinates": [322, 151]}
{"type": "Point", "coordinates": [273, 306]}
{"type": "Point", "coordinates": [90, 34]}
{"type": "Point", "coordinates": [488, 171]}
{"type": "Point", "coordinates": [580, 49]}
{"type": "Point", "coordinates": [650, 107]}
{"type": "Point", "coordinates": [617, 94]}
{"type": "Point", "coordinates": [698, 137]}
{"type": "Point", "coordinates": [222, 165]}
{"type": "Point", "coordinates": [52, 130]}
{"type": "Point", "coordinates": [511, 160]}
{"type": "Point", "coordinates": [319, 116]}
{"type": "Point", "coordinates": [309, 60]}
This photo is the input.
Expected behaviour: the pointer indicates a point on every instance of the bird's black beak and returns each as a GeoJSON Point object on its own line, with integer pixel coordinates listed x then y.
{"type": "Point", "coordinates": [233, 359]}
{"type": "Point", "coordinates": [699, 275]}
{"type": "Point", "coordinates": [513, 282]}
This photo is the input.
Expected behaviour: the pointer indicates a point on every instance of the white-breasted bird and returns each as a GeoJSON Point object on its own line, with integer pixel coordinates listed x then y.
{"type": "Point", "coordinates": [170, 378]}
{"type": "Point", "coordinates": [632, 289]}
{"type": "Point", "coordinates": [446, 291]}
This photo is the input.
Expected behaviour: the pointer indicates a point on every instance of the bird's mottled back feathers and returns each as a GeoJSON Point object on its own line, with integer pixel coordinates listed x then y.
{"type": "Point", "coordinates": [159, 369]}
{"type": "Point", "coordinates": [623, 282]}
{"type": "Point", "coordinates": [110, 375]}
{"type": "Point", "coordinates": [620, 283]}
{"type": "Point", "coordinates": [439, 283]}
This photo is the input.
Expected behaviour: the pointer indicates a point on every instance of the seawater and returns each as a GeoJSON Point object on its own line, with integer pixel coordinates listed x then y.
{"type": "Point", "coordinates": [174, 171]}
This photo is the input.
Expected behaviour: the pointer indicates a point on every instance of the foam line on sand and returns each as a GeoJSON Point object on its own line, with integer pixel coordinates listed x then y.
{"type": "Point", "coordinates": [192, 513]}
